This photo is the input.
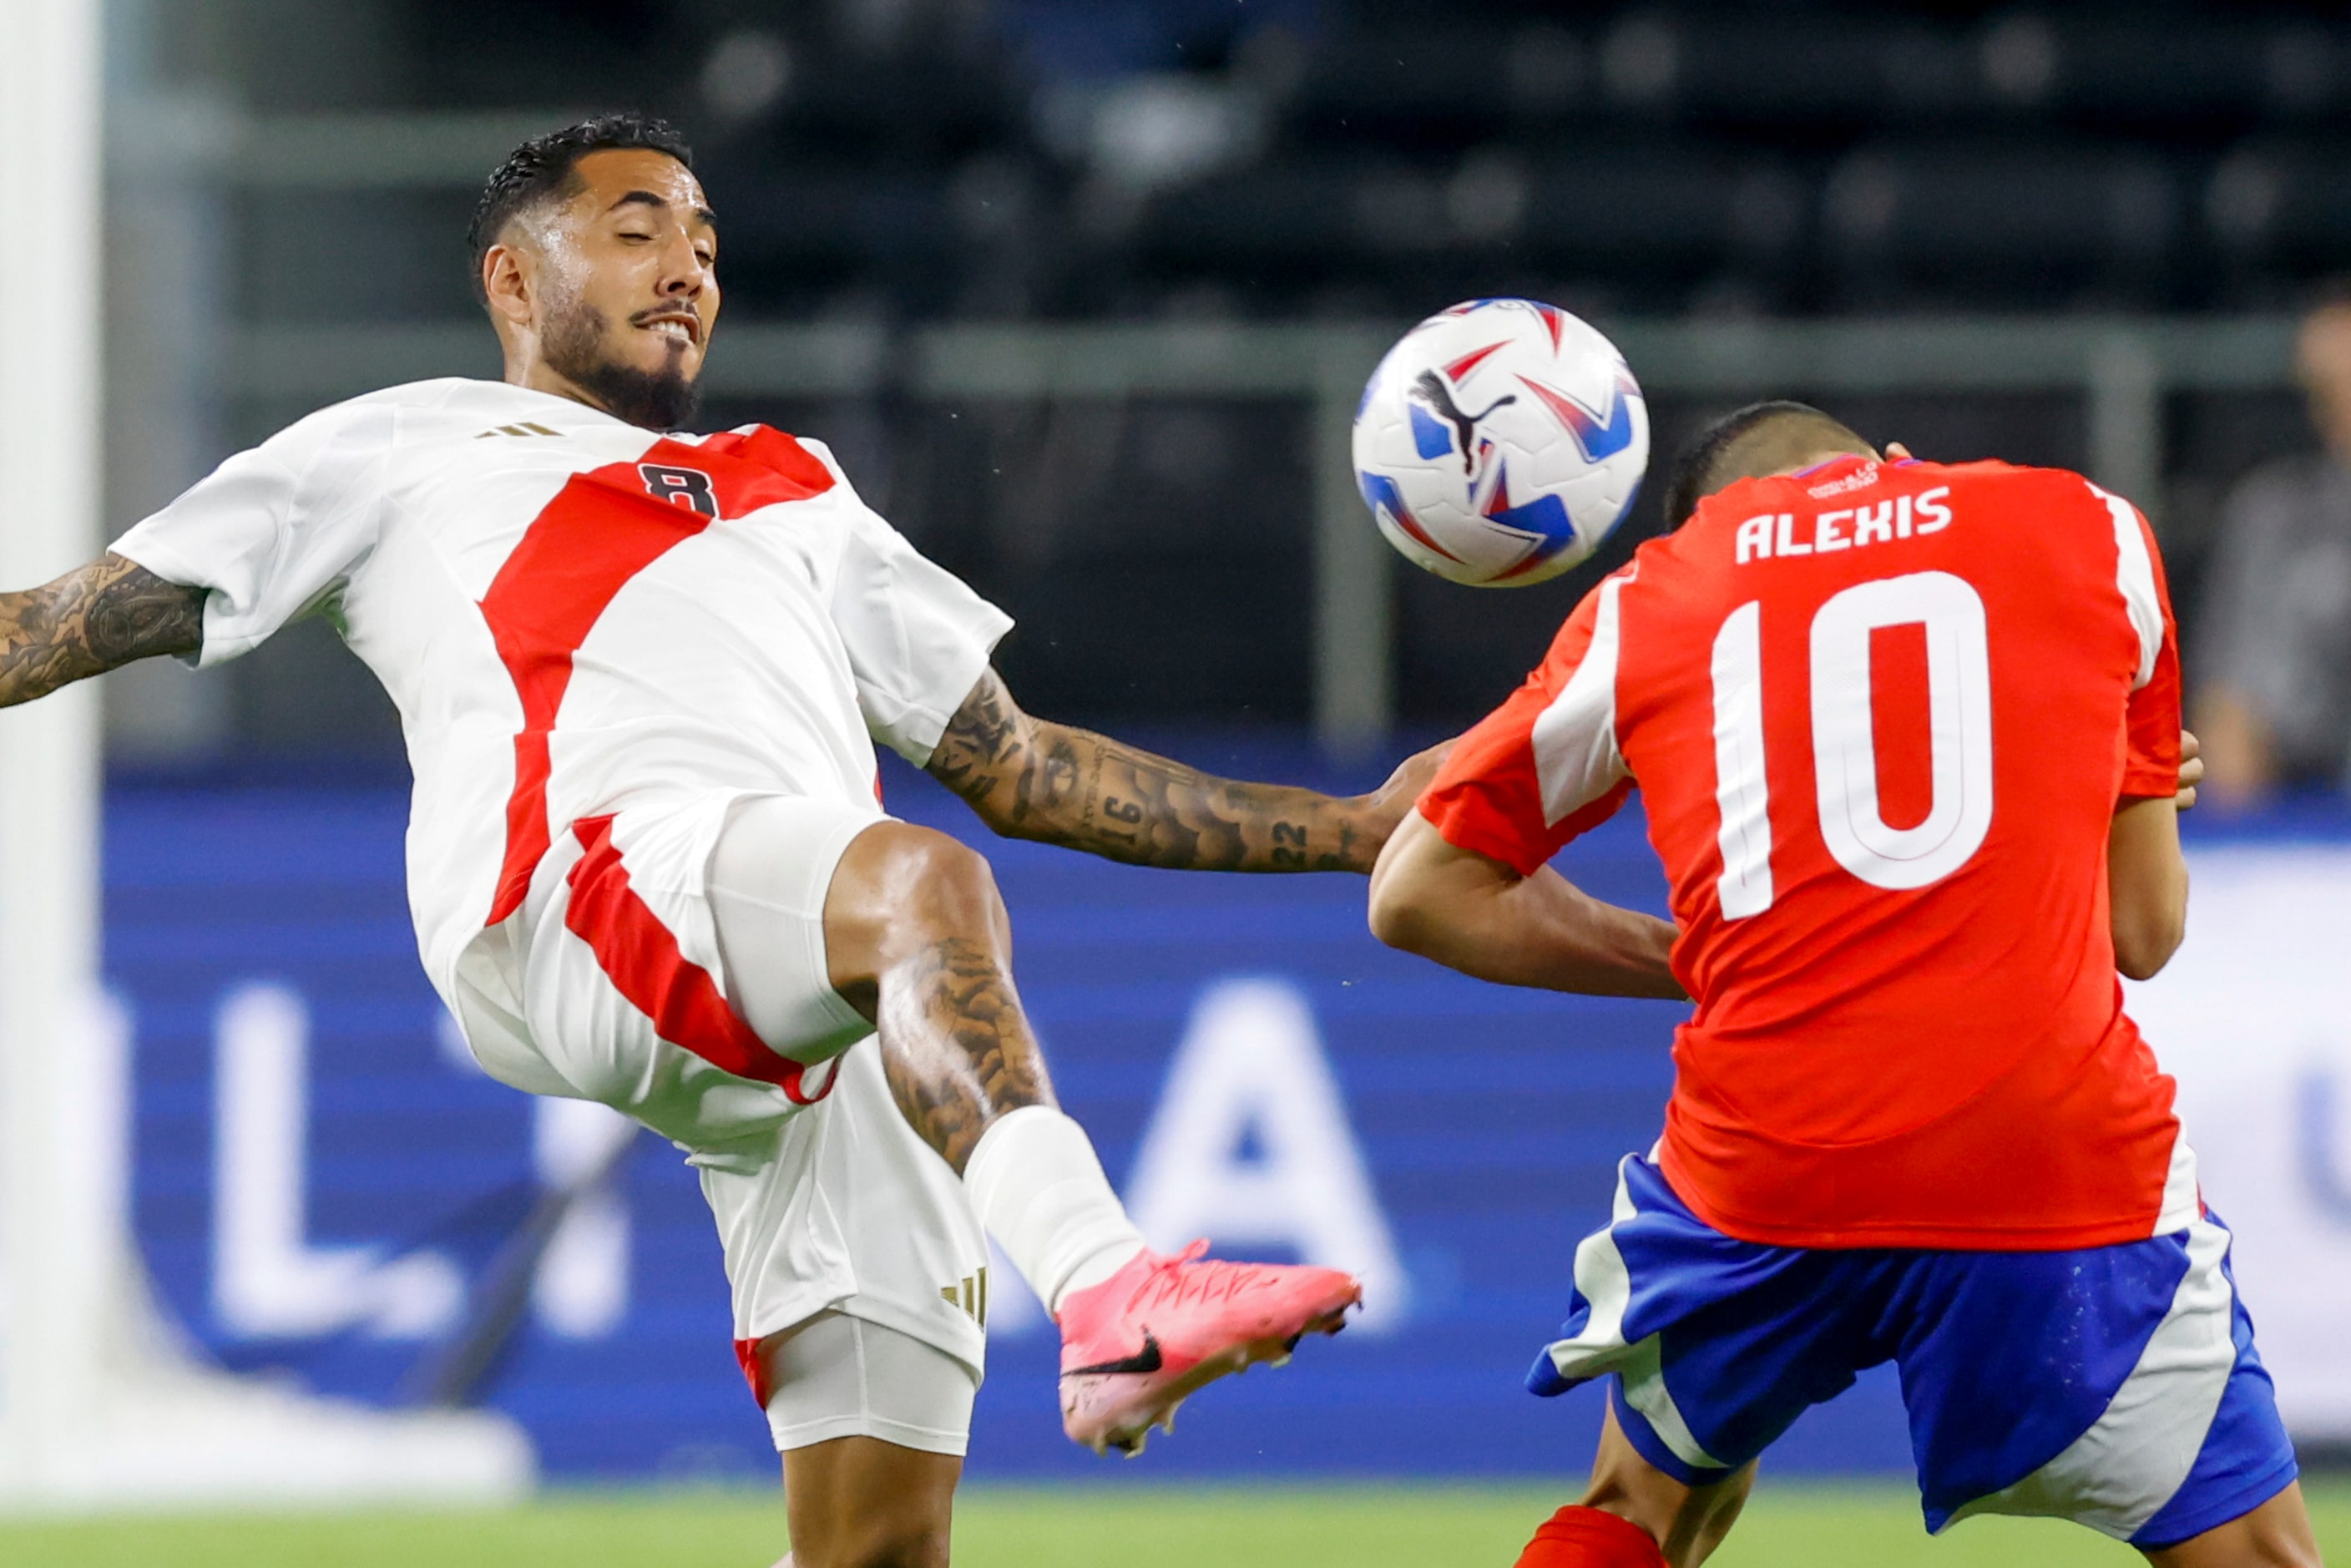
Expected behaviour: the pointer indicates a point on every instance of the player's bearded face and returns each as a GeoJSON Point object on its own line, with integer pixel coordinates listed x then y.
{"type": "Point", "coordinates": [629, 286]}
{"type": "Point", "coordinates": [579, 343]}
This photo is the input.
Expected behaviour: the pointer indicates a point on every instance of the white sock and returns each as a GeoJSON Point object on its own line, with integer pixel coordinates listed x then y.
{"type": "Point", "coordinates": [1041, 1193]}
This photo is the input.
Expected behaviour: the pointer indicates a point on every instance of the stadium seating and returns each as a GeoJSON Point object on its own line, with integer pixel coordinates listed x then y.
{"type": "Point", "coordinates": [2020, 224]}
{"type": "Point", "coordinates": [899, 162]}
{"type": "Point", "coordinates": [1378, 150]}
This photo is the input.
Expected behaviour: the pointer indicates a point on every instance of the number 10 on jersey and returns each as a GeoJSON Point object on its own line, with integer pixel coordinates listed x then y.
{"type": "Point", "coordinates": [1845, 742]}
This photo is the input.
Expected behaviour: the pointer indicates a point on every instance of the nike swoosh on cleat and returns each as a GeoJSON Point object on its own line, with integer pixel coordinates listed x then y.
{"type": "Point", "coordinates": [1148, 1359]}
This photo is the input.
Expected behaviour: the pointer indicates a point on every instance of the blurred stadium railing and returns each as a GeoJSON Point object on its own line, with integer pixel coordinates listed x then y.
{"type": "Point", "coordinates": [2122, 371]}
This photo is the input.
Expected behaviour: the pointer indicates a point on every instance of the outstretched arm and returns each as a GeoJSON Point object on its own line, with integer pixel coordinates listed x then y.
{"type": "Point", "coordinates": [1031, 778]}
{"type": "Point", "coordinates": [1481, 917]}
{"type": "Point", "coordinates": [109, 613]}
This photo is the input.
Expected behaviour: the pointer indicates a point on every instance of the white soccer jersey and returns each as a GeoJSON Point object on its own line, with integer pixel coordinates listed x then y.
{"type": "Point", "coordinates": [574, 616]}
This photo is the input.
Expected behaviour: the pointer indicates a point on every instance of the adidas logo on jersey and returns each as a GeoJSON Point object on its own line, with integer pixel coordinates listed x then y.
{"type": "Point", "coordinates": [971, 1295]}
{"type": "Point", "coordinates": [528, 427]}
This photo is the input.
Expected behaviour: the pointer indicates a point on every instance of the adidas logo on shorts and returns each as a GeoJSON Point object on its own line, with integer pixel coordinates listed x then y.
{"type": "Point", "coordinates": [971, 1295]}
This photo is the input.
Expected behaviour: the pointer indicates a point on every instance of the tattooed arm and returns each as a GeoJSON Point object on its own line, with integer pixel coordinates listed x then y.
{"type": "Point", "coordinates": [108, 612]}
{"type": "Point", "coordinates": [1031, 778]}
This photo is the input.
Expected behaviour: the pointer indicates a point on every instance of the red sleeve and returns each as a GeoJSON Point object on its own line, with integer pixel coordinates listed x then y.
{"type": "Point", "coordinates": [2151, 754]}
{"type": "Point", "coordinates": [1488, 796]}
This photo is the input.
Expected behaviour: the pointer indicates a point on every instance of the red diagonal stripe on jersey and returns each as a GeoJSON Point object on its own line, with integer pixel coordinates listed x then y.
{"type": "Point", "coordinates": [1471, 361]}
{"type": "Point", "coordinates": [640, 956]}
{"type": "Point", "coordinates": [601, 529]}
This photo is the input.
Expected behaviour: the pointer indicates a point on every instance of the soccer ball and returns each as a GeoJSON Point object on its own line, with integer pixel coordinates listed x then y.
{"type": "Point", "coordinates": [1499, 442]}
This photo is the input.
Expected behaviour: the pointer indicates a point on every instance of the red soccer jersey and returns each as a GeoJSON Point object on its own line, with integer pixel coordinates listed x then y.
{"type": "Point", "coordinates": [1881, 717]}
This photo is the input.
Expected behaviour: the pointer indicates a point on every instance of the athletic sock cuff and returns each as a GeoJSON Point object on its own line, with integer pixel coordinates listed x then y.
{"type": "Point", "coordinates": [1039, 1191]}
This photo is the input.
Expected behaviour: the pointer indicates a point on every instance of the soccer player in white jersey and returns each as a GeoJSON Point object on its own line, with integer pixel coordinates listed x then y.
{"type": "Point", "coordinates": [640, 675]}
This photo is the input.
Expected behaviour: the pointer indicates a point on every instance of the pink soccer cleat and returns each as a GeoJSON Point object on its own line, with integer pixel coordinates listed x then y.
{"type": "Point", "coordinates": [1134, 1346]}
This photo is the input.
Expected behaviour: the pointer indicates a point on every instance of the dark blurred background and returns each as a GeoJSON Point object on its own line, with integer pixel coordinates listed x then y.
{"type": "Point", "coordinates": [291, 184]}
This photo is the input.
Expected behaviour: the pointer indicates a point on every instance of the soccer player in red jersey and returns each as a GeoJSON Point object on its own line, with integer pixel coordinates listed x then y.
{"type": "Point", "coordinates": [1907, 736]}
{"type": "Point", "coordinates": [640, 674]}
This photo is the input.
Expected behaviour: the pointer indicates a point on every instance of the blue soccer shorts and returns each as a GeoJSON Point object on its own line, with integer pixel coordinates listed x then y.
{"type": "Point", "coordinates": [2116, 1386]}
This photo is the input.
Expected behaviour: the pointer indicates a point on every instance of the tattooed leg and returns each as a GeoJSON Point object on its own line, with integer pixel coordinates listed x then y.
{"type": "Point", "coordinates": [956, 1049]}
{"type": "Point", "coordinates": [917, 940]}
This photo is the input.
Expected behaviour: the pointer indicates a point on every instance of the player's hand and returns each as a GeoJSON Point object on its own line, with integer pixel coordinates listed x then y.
{"type": "Point", "coordinates": [2191, 769]}
{"type": "Point", "coordinates": [1384, 808]}
{"type": "Point", "coordinates": [1897, 453]}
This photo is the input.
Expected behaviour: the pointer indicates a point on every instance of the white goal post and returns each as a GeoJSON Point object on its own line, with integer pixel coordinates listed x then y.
{"type": "Point", "coordinates": [100, 1404]}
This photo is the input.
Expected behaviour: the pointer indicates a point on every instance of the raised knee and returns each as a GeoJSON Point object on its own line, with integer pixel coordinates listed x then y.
{"type": "Point", "coordinates": [901, 891]}
{"type": "Point", "coordinates": [949, 890]}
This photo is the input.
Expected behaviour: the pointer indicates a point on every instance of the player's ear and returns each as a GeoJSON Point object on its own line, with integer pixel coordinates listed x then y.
{"type": "Point", "coordinates": [510, 283]}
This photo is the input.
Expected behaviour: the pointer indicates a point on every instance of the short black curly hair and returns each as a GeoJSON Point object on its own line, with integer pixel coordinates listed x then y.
{"type": "Point", "coordinates": [1705, 462]}
{"type": "Point", "coordinates": [546, 168]}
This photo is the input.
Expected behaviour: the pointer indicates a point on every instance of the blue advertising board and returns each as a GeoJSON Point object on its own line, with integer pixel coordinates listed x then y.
{"type": "Point", "coordinates": [322, 1177]}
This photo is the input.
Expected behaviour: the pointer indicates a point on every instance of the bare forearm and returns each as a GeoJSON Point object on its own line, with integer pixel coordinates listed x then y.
{"type": "Point", "coordinates": [1546, 933]}
{"type": "Point", "coordinates": [1474, 914]}
{"type": "Point", "coordinates": [1577, 943]}
{"type": "Point", "coordinates": [1030, 778]}
{"type": "Point", "coordinates": [107, 613]}
{"type": "Point", "coordinates": [2147, 883]}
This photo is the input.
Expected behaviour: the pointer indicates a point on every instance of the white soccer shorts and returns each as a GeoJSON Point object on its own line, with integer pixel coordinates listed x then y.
{"type": "Point", "coordinates": [841, 1376]}
{"type": "Point", "coordinates": [656, 939]}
